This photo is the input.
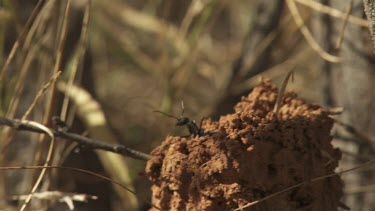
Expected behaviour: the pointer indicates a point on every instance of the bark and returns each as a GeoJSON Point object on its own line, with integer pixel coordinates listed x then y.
{"type": "Point", "coordinates": [370, 13]}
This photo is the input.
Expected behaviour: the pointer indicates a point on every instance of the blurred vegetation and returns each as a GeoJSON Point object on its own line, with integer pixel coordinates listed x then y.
{"type": "Point", "coordinates": [134, 57]}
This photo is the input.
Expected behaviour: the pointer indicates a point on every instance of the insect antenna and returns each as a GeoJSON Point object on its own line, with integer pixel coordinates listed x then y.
{"type": "Point", "coordinates": [167, 114]}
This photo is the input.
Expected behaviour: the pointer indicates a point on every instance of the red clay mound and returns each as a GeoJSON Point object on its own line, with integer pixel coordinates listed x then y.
{"type": "Point", "coordinates": [254, 153]}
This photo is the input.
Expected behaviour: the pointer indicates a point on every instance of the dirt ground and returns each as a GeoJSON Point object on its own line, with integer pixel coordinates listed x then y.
{"type": "Point", "coordinates": [253, 153]}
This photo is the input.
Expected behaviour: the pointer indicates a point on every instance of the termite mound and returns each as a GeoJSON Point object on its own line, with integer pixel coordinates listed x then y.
{"type": "Point", "coordinates": [255, 153]}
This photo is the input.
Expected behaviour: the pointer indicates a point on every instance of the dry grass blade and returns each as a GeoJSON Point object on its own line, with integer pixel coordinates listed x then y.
{"type": "Point", "coordinates": [91, 113]}
{"type": "Point", "coordinates": [332, 12]}
{"type": "Point", "coordinates": [355, 132]}
{"type": "Point", "coordinates": [39, 26]}
{"type": "Point", "coordinates": [184, 65]}
{"type": "Point", "coordinates": [281, 92]}
{"type": "Point", "coordinates": [249, 61]}
{"type": "Point", "coordinates": [80, 52]}
{"type": "Point", "coordinates": [274, 72]}
{"type": "Point", "coordinates": [143, 22]}
{"type": "Point", "coordinates": [14, 102]}
{"type": "Point", "coordinates": [39, 94]}
{"type": "Point", "coordinates": [342, 31]}
{"type": "Point", "coordinates": [17, 96]}
{"type": "Point", "coordinates": [58, 62]}
{"type": "Point", "coordinates": [47, 162]}
{"type": "Point", "coordinates": [50, 98]}
{"type": "Point", "coordinates": [145, 62]}
{"type": "Point", "coordinates": [304, 183]}
{"type": "Point", "coordinates": [196, 6]}
{"type": "Point", "coordinates": [81, 171]}
{"type": "Point", "coordinates": [21, 37]}
{"type": "Point", "coordinates": [262, 46]}
{"type": "Point", "coordinates": [307, 35]}
{"type": "Point", "coordinates": [62, 38]}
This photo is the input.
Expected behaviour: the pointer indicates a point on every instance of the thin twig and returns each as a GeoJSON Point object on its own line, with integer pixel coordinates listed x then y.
{"type": "Point", "coordinates": [46, 130]}
{"type": "Point", "coordinates": [332, 12]}
{"type": "Point", "coordinates": [21, 37]}
{"type": "Point", "coordinates": [84, 141]}
{"type": "Point", "coordinates": [50, 100]}
{"type": "Point", "coordinates": [53, 195]}
{"type": "Point", "coordinates": [62, 40]}
{"type": "Point", "coordinates": [342, 31]}
{"type": "Point", "coordinates": [80, 52]}
{"type": "Point", "coordinates": [48, 158]}
{"type": "Point", "coordinates": [352, 130]}
{"type": "Point", "coordinates": [63, 197]}
{"type": "Point", "coordinates": [76, 170]}
{"type": "Point", "coordinates": [39, 94]}
{"type": "Point", "coordinates": [308, 36]}
{"type": "Point", "coordinates": [20, 84]}
{"type": "Point", "coordinates": [305, 183]}
{"type": "Point", "coordinates": [57, 66]}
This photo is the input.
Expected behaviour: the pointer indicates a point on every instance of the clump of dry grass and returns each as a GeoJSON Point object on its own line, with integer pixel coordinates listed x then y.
{"type": "Point", "coordinates": [134, 57]}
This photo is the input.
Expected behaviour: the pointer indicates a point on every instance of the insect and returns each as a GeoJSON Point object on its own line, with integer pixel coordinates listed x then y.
{"type": "Point", "coordinates": [185, 121]}
{"type": "Point", "coordinates": [60, 124]}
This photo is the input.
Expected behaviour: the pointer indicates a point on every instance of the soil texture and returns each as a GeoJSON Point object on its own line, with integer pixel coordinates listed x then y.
{"type": "Point", "coordinates": [251, 154]}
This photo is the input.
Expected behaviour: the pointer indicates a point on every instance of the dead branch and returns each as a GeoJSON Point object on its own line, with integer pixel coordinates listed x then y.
{"type": "Point", "coordinates": [67, 198]}
{"type": "Point", "coordinates": [87, 142]}
{"type": "Point", "coordinates": [370, 13]}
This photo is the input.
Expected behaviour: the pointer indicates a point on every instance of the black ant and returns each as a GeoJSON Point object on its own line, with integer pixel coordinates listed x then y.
{"type": "Point", "coordinates": [191, 124]}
